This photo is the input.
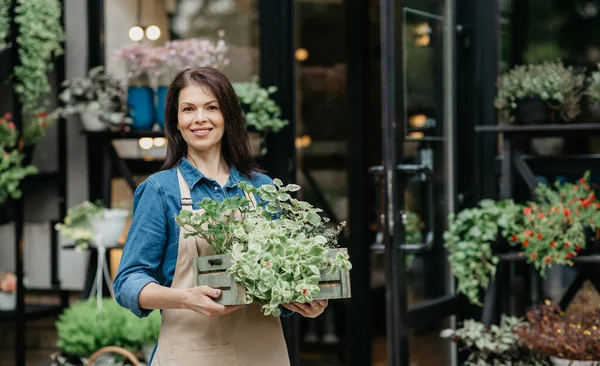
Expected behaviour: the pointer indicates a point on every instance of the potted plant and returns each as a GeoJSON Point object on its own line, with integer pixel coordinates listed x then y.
{"type": "Point", "coordinates": [540, 93]}
{"type": "Point", "coordinates": [262, 113]}
{"type": "Point", "coordinates": [470, 239]}
{"type": "Point", "coordinates": [8, 291]}
{"type": "Point", "coordinates": [593, 93]}
{"type": "Point", "coordinates": [497, 345]}
{"type": "Point", "coordinates": [275, 253]}
{"type": "Point", "coordinates": [83, 329]}
{"type": "Point", "coordinates": [167, 61]}
{"type": "Point", "coordinates": [86, 221]}
{"type": "Point", "coordinates": [39, 41]}
{"type": "Point", "coordinates": [99, 99]}
{"type": "Point", "coordinates": [140, 96]}
{"type": "Point", "coordinates": [569, 339]}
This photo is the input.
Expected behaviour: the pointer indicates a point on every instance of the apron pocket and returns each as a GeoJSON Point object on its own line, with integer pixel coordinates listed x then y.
{"type": "Point", "coordinates": [205, 356]}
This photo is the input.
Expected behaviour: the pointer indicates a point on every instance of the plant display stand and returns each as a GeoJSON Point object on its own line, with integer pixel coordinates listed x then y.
{"type": "Point", "coordinates": [513, 164]}
{"type": "Point", "coordinates": [212, 271]}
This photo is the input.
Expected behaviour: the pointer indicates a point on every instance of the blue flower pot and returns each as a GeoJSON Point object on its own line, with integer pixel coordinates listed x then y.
{"type": "Point", "coordinates": [141, 104]}
{"type": "Point", "coordinates": [161, 94]}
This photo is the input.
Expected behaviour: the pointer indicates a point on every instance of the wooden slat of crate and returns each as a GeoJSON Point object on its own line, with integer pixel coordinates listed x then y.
{"type": "Point", "coordinates": [214, 275]}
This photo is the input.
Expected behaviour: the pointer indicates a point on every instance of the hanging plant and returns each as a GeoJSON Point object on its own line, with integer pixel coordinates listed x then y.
{"type": "Point", "coordinates": [11, 171]}
{"type": "Point", "coordinates": [262, 113]}
{"type": "Point", "coordinates": [39, 40]}
{"type": "Point", "coordinates": [4, 23]}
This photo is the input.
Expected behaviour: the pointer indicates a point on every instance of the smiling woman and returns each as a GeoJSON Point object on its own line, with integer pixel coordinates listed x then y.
{"type": "Point", "coordinates": [203, 112]}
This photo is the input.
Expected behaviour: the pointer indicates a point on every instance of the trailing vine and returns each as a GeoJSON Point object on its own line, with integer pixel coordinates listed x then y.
{"type": "Point", "coordinates": [4, 23]}
{"type": "Point", "coordinates": [39, 40]}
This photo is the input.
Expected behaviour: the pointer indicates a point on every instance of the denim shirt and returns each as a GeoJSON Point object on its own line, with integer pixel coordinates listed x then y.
{"type": "Point", "coordinates": [150, 252]}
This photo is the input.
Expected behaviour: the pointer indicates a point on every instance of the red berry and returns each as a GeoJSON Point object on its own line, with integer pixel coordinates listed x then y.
{"type": "Point", "coordinates": [540, 216]}
{"type": "Point", "coordinates": [540, 236]}
{"type": "Point", "coordinates": [527, 210]}
{"type": "Point", "coordinates": [577, 248]}
{"type": "Point", "coordinates": [514, 238]}
{"type": "Point", "coordinates": [533, 255]}
{"type": "Point", "coordinates": [304, 291]}
{"type": "Point", "coordinates": [567, 245]}
{"type": "Point", "coordinates": [582, 180]}
{"type": "Point", "coordinates": [547, 259]}
{"type": "Point", "coordinates": [553, 244]}
{"type": "Point", "coordinates": [526, 243]}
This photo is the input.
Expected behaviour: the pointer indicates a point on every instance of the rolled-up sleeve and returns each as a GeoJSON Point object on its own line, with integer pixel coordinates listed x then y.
{"type": "Point", "coordinates": [144, 249]}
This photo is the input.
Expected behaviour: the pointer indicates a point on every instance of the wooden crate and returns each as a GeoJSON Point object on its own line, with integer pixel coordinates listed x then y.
{"type": "Point", "coordinates": [211, 271]}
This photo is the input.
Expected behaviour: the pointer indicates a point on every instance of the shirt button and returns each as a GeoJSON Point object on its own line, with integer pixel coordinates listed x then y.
{"type": "Point", "coordinates": [216, 189]}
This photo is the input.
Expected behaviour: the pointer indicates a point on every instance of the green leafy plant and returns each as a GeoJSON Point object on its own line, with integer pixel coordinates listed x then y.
{"type": "Point", "coordinates": [39, 40]}
{"type": "Point", "coordinates": [278, 248]}
{"type": "Point", "coordinates": [496, 345]}
{"type": "Point", "coordinates": [262, 112]}
{"type": "Point", "coordinates": [593, 89]}
{"type": "Point", "coordinates": [554, 226]}
{"type": "Point", "coordinates": [77, 224]}
{"type": "Point", "coordinates": [469, 239]}
{"type": "Point", "coordinates": [4, 23]}
{"type": "Point", "coordinates": [83, 329]}
{"type": "Point", "coordinates": [98, 93]}
{"type": "Point", "coordinates": [559, 86]}
{"type": "Point", "coordinates": [11, 170]}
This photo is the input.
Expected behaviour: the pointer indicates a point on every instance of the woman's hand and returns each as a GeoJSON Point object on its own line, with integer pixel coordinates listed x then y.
{"type": "Point", "coordinates": [308, 310]}
{"type": "Point", "coordinates": [201, 300]}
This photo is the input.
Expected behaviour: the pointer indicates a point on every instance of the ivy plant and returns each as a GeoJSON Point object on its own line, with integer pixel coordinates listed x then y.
{"type": "Point", "coordinates": [39, 40]}
{"type": "Point", "coordinates": [469, 239]}
{"type": "Point", "coordinates": [497, 345]}
{"type": "Point", "coordinates": [278, 248]}
{"type": "Point", "coordinates": [262, 112]}
{"type": "Point", "coordinates": [4, 23]}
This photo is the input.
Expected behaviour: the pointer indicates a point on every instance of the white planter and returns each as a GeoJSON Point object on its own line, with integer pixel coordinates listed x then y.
{"type": "Point", "coordinates": [8, 301]}
{"type": "Point", "coordinates": [560, 362]}
{"type": "Point", "coordinates": [110, 226]}
{"type": "Point", "coordinates": [91, 121]}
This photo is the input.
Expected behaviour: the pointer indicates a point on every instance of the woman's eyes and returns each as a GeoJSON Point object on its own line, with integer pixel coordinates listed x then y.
{"type": "Point", "coordinates": [212, 108]}
{"type": "Point", "coordinates": [187, 109]}
{"type": "Point", "coordinates": [209, 108]}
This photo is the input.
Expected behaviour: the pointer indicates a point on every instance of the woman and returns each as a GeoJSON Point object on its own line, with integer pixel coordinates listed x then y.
{"type": "Point", "coordinates": [208, 154]}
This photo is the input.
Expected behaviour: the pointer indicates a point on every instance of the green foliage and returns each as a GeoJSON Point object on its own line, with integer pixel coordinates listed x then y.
{"type": "Point", "coordinates": [554, 226]}
{"type": "Point", "coordinates": [83, 329]}
{"type": "Point", "coordinates": [469, 240]}
{"type": "Point", "coordinates": [559, 86]}
{"type": "Point", "coordinates": [279, 248]}
{"type": "Point", "coordinates": [4, 23]}
{"type": "Point", "coordinates": [593, 90]}
{"type": "Point", "coordinates": [77, 225]}
{"type": "Point", "coordinates": [497, 345]}
{"type": "Point", "coordinates": [98, 93]}
{"type": "Point", "coordinates": [11, 171]}
{"type": "Point", "coordinates": [262, 112]}
{"type": "Point", "coordinates": [39, 40]}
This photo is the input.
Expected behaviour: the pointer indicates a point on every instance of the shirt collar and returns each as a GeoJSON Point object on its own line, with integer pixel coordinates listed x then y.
{"type": "Point", "coordinates": [191, 175]}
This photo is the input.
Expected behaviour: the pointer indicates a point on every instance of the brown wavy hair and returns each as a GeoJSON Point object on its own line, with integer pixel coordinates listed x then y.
{"type": "Point", "coordinates": [235, 145]}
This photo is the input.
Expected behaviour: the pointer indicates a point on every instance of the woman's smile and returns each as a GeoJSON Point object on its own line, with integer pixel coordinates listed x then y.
{"type": "Point", "coordinates": [201, 131]}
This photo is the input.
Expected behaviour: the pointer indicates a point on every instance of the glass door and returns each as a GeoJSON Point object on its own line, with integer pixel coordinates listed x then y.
{"type": "Point", "coordinates": [415, 182]}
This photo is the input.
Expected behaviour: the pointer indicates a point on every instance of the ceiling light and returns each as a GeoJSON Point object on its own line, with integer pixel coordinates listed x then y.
{"type": "Point", "coordinates": [153, 32]}
{"type": "Point", "coordinates": [136, 33]}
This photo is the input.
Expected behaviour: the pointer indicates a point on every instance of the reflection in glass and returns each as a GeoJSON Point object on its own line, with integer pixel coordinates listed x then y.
{"type": "Point", "coordinates": [423, 74]}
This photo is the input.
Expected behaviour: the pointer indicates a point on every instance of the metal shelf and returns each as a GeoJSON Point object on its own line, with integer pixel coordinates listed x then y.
{"type": "Point", "coordinates": [32, 311]}
{"type": "Point", "coordinates": [542, 130]}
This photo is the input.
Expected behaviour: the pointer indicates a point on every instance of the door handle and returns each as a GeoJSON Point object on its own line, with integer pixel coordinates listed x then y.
{"type": "Point", "coordinates": [426, 174]}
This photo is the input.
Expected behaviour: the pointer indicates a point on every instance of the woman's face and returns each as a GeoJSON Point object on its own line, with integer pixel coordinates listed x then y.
{"type": "Point", "coordinates": [200, 120]}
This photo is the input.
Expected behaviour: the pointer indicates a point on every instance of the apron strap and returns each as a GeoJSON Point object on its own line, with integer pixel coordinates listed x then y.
{"type": "Point", "coordinates": [184, 189]}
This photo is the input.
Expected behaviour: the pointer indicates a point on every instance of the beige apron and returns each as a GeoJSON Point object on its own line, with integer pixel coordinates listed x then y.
{"type": "Point", "coordinates": [244, 337]}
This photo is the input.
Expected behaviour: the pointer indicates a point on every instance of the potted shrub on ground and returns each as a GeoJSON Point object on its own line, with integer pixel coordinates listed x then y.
{"type": "Point", "coordinates": [278, 252]}
{"type": "Point", "coordinates": [83, 330]}
{"type": "Point", "coordinates": [540, 93]}
{"type": "Point", "coordinates": [497, 345]}
{"type": "Point", "coordinates": [568, 339]}
{"type": "Point", "coordinates": [99, 99]}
